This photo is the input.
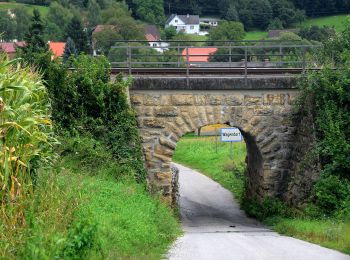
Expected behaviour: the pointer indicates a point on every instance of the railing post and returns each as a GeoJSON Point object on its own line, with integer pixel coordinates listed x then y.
{"type": "Point", "coordinates": [246, 64]}
{"type": "Point", "coordinates": [230, 53]}
{"type": "Point", "coordinates": [129, 58]}
{"type": "Point", "coordinates": [281, 54]}
{"type": "Point", "coordinates": [187, 68]}
{"type": "Point", "coordinates": [178, 55]}
{"type": "Point", "coordinates": [304, 61]}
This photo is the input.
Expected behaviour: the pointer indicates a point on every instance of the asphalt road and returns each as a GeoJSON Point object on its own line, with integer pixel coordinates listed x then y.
{"type": "Point", "coordinates": [215, 228]}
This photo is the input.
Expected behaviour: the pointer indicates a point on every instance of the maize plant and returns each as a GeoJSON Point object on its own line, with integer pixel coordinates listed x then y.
{"type": "Point", "coordinates": [25, 138]}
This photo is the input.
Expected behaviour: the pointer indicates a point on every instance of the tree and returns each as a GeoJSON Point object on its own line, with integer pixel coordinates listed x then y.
{"type": "Point", "coordinates": [22, 22]}
{"type": "Point", "coordinates": [35, 42]}
{"type": "Point", "coordinates": [170, 32]}
{"type": "Point", "coordinates": [255, 14]}
{"type": "Point", "coordinates": [36, 50]}
{"type": "Point", "coordinates": [316, 33]}
{"type": "Point", "coordinates": [119, 16]}
{"type": "Point", "coordinates": [150, 11]}
{"type": "Point", "coordinates": [94, 13]}
{"type": "Point", "coordinates": [76, 32]}
{"type": "Point", "coordinates": [7, 26]}
{"type": "Point", "coordinates": [69, 49]}
{"type": "Point", "coordinates": [231, 14]}
{"type": "Point", "coordinates": [274, 24]}
{"type": "Point", "coordinates": [57, 20]}
{"type": "Point", "coordinates": [105, 39]}
{"type": "Point", "coordinates": [227, 31]}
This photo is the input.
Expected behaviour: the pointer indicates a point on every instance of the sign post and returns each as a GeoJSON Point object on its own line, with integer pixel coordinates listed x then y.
{"type": "Point", "coordinates": [230, 135]}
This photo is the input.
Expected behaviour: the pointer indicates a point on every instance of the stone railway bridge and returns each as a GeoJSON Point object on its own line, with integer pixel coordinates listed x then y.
{"type": "Point", "coordinates": [261, 107]}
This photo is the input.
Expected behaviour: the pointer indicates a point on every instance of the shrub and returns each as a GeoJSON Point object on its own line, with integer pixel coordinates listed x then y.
{"type": "Point", "coordinates": [330, 193]}
{"type": "Point", "coordinates": [86, 102]}
{"type": "Point", "coordinates": [268, 207]}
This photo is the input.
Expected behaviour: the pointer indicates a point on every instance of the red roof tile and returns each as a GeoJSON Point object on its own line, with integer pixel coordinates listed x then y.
{"type": "Point", "coordinates": [57, 48]}
{"type": "Point", "coordinates": [199, 51]}
{"type": "Point", "coordinates": [10, 47]}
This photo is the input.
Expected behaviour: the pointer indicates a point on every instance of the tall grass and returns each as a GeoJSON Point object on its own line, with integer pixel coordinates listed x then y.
{"type": "Point", "coordinates": [25, 136]}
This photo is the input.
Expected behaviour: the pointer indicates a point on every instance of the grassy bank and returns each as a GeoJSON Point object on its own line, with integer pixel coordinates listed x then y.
{"type": "Point", "coordinates": [8, 6]}
{"type": "Point", "coordinates": [338, 21]}
{"type": "Point", "coordinates": [199, 153]}
{"type": "Point", "coordinates": [81, 212]}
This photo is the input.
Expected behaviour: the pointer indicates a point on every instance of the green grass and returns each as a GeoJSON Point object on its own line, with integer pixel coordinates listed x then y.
{"type": "Point", "coordinates": [200, 153]}
{"type": "Point", "coordinates": [337, 21]}
{"type": "Point", "coordinates": [42, 9]}
{"type": "Point", "coordinates": [255, 35]}
{"type": "Point", "coordinates": [83, 209]}
{"type": "Point", "coordinates": [327, 233]}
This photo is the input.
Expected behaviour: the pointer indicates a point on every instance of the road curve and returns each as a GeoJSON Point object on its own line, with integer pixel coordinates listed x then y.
{"type": "Point", "coordinates": [215, 228]}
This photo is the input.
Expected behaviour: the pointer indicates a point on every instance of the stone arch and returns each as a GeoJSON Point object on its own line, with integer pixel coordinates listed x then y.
{"type": "Point", "coordinates": [164, 118]}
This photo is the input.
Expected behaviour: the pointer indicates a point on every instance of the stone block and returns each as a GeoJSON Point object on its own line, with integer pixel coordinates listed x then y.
{"type": "Point", "coordinates": [153, 122]}
{"type": "Point", "coordinates": [200, 100]}
{"type": "Point", "coordinates": [274, 99]}
{"type": "Point", "coordinates": [234, 100]}
{"type": "Point", "coordinates": [167, 111]}
{"type": "Point", "coordinates": [252, 100]}
{"type": "Point", "coordinates": [182, 100]}
{"type": "Point", "coordinates": [215, 100]}
{"type": "Point", "coordinates": [166, 142]}
{"type": "Point", "coordinates": [263, 111]}
{"type": "Point", "coordinates": [163, 150]}
{"type": "Point", "coordinates": [151, 100]}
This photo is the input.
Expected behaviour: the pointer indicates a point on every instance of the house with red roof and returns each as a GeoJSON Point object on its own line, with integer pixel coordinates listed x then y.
{"type": "Point", "coordinates": [10, 48]}
{"type": "Point", "coordinates": [152, 35]}
{"type": "Point", "coordinates": [198, 54]}
{"type": "Point", "coordinates": [57, 49]}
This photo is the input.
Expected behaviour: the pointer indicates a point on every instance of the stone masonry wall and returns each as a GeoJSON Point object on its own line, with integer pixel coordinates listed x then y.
{"type": "Point", "coordinates": [262, 116]}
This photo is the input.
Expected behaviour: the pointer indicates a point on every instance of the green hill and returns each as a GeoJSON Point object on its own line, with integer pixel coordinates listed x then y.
{"type": "Point", "coordinates": [42, 9]}
{"type": "Point", "coordinates": [335, 20]}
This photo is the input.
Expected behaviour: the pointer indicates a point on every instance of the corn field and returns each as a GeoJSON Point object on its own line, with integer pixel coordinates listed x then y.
{"type": "Point", "coordinates": [25, 139]}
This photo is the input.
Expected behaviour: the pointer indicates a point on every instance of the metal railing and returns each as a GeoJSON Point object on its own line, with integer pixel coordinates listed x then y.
{"type": "Point", "coordinates": [191, 57]}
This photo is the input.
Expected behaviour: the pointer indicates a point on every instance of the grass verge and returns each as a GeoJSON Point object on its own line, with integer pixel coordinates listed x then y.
{"type": "Point", "coordinates": [82, 211]}
{"type": "Point", "coordinates": [199, 153]}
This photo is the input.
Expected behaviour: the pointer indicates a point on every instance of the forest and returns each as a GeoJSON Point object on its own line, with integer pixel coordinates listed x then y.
{"type": "Point", "coordinates": [254, 14]}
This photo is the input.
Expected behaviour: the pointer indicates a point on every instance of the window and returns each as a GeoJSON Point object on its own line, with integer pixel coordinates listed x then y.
{"type": "Point", "coordinates": [176, 21]}
{"type": "Point", "coordinates": [192, 27]}
{"type": "Point", "coordinates": [154, 45]}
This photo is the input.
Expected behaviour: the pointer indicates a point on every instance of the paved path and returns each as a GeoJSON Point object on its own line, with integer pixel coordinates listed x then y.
{"type": "Point", "coordinates": [215, 228]}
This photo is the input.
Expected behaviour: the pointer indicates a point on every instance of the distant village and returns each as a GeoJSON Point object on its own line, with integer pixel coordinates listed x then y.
{"type": "Point", "coordinates": [187, 24]}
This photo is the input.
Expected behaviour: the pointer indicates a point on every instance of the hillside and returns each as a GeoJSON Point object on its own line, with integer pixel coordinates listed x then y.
{"type": "Point", "coordinates": [42, 9]}
{"type": "Point", "coordinates": [336, 21]}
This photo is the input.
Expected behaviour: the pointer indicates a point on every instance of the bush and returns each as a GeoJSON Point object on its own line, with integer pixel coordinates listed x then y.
{"type": "Point", "coordinates": [85, 102]}
{"type": "Point", "coordinates": [268, 207]}
{"type": "Point", "coordinates": [330, 193]}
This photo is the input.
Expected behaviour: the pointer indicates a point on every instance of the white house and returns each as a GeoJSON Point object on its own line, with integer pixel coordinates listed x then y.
{"type": "Point", "coordinates": [152, 35]}
{"type": "Point", "coordinates": [184, 23]}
